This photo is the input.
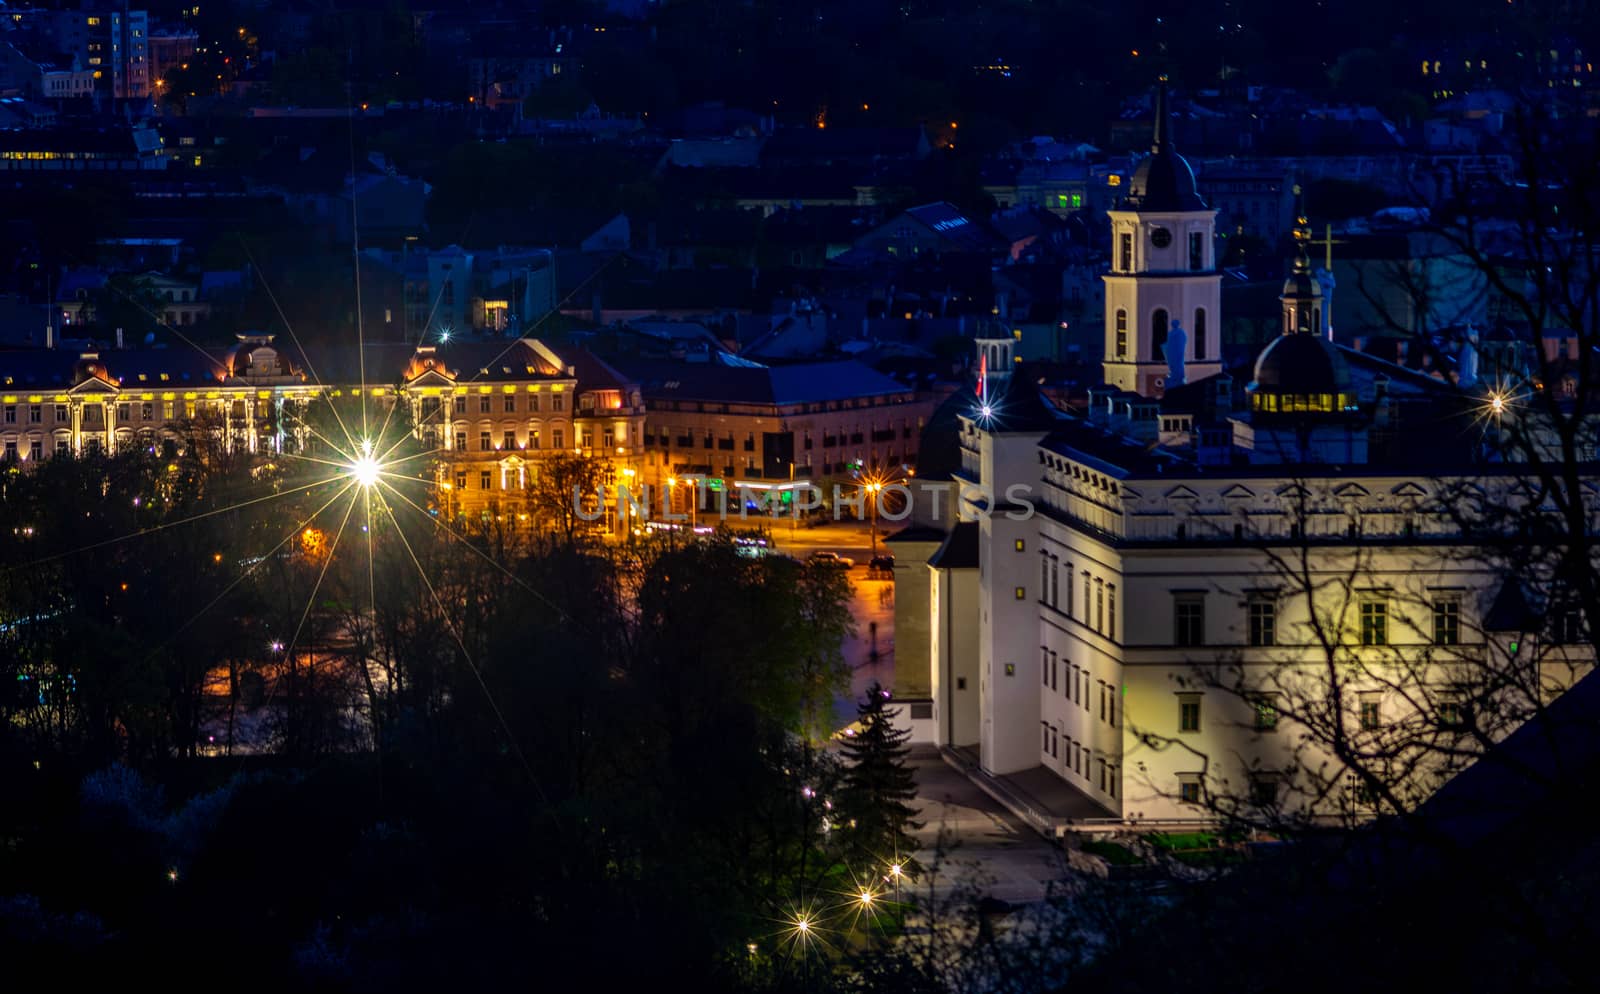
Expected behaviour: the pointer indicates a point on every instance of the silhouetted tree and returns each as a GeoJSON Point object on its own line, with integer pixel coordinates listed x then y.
{"type": "Point", "coordinates": [878, 783]}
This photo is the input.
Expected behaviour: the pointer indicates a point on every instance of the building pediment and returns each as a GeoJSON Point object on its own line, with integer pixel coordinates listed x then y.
{"type": "Point", "coordinates": [1238, 492]}
{"type": "Point", "coordinates": [1352, 491]}
{"type": "Point", "coordinates": [432, 376]}
{"type": "Point", "coordinates": [1181, 492]}
{"type": "Point", "coordinates": [1409, 490]}
{"type": "Point", "coordinates": [94, 385]}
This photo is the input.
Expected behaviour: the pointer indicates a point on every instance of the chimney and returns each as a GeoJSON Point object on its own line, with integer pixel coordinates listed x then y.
{"type": "Point", "coordinates": [1100, 404]}
{"type": "Point", "coordinates": [1224, 398]}
{"type": "Point", "coordinates": [119, 338]}
{"type": "Point", "coordinates": [1144, 418]}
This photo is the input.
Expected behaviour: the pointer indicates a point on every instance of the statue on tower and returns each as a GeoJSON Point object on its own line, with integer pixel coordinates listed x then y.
{"type": "Point", "coordinates": [1176, 345]}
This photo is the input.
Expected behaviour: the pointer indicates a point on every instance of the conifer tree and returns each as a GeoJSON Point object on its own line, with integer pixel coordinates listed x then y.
{"type": "Point", "coordinates": [878, 782]}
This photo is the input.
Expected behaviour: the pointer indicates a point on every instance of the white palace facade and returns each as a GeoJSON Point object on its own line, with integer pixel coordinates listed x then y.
{"type": "Point", "coordinates": [1208, 590]}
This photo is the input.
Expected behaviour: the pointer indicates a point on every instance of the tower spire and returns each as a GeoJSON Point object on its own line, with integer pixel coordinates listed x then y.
{"type": "Point", "coordinates": [1302, 233]}
{"type": "Point", "coordinates": [1161, 139]}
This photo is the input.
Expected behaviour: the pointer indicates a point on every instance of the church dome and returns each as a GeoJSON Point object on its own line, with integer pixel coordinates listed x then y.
{"type": "Point", "coordinates": [1301, 374]}
{"type": "Point", "coordinates": [1163, 181]}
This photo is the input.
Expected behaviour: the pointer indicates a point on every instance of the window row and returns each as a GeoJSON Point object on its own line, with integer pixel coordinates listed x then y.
{"type": "Point", "coordinates": [1261, 620]}
{"type": "Point", "coordinates": [1099, 604]}
{"type": "Point", "coordinates": [1452, 710]}
{"type": "Point", "coordinates": [1078, 758]}
{"type": "Point", "coordinates": [1053, 671]}
{"type": "Point", "coordinates": [510, 403]}
{"type": "Point", "coordinates": [1161, 323]}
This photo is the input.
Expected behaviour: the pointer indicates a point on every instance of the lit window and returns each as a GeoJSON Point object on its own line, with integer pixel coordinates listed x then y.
{"type": "Point", "coordinates": [1266, 709]}
{"type": "Point", "coordinates": [1374, 623]}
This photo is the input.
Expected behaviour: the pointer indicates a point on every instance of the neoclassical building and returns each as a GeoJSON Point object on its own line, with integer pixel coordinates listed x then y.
{"type": "Point", "coordinates": [1216, 587]}
{"type": "Point", "coordinates": [490, 411]}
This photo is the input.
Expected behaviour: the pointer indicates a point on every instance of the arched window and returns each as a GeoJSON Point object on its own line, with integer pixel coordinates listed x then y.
{"type": "Point", "coordinates": [1122, 334]}
{"type": "Point", "coordinates": [1158, 330]}
{"type": "Point", "coordinates": [1199, 333]}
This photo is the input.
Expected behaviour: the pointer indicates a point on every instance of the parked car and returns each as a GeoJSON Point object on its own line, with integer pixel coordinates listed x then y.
{"type": "Point", "coordinates": [832, 559]}
{"type": "Point", "coordinates": [883, 562]}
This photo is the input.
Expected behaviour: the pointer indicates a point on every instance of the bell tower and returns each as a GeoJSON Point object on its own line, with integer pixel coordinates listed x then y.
{"type": "Point", "coordinates": [1163, 273]}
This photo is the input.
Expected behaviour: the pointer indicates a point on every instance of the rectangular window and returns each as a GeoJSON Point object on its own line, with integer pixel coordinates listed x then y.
{"type": "Point", "coordinates": [36, 450]}
{"type": "Point", "coordinates": [1266, 710]}
{"type": "Point", "coordinates": [1188, 712]}
{"type": "Point", "coordinates": [1122, 334]}
{"type": "Point", "coordinates": [533, 438]}
{"type": "Point", "coordinates": [1069, 590]}
{"type": "Point", "coordinates": [1125, 252]}
{"type": "Point", "coordinates": [483, 479]}
{"type": "Point", "coordinates": [461, 403]}
{"type": "Point", "coordinates": [11, 414]}
{"type": "Point", "coordinates": [1103, 695]}
{"type": "Point", "coordinates": [1055, 582]}
{"type": "Point", "coordinates": [1374, 623]}
{"type": "Point", "coordinates": [461, 479]}
{"type": "Point", "coordinates": [558, 402]}
{"type": "Point", "coordinates": [1263, 621]}
{"type": "Point", "coordinates": [1189, 788]}
{"type": "Point", "coordinates": [1566, 625]}
{"type": "Point", "coordinates": [510, 404]}
{"type": "Point", "coordinates": [36, 413]}
{"type": "Point", "coordinates": [508, 441]}
{"type": "Point", "coordinates": [558, 438]}
{"type": "Point", "coordinates": [1370, 711]}
{"type": "Point", "coordinates": [1055, 668]}
{"type": "Point", "coordinates": [1044, 575]}
{"type": "Point", "coordinates": [1111, 611]}
{"type": "Point", "coordinates": [1189, 620]}
{"type": "Point", "coordinates": [1044, 666]}
{"type": "Point", "coordinates": [124, 412]}
{"type": "Point", "coordinates": [461, 441]}
{"type": "Point", "coordinates": [533, 403]}
{"type": "Point", "coordinates": [1264, 789]}
{"type": "Point", "coordinates": [484, 443]}
{"type": "Point", "coordinates": [1044, 736]}
{"type": "Point", "coordinates": [1452, 710]}
{"type": "Point", "coordinates": [1197, 250]}
{"type": "Point", "coordinates": [1099, 605]}
{"type": "Point", "coordinates": [61, 413]}
{"type": "Point", "coordinates": [1446, 622]}
{"type": "Point", "coordinates": [483, 403]}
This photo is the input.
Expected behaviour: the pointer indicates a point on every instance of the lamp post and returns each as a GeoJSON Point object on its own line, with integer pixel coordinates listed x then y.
{"type": "Point", "coordinates": [873, 489]}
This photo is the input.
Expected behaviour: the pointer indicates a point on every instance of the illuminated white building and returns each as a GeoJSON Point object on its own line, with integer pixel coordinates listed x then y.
{"type": "Point", "coordinates": [1176, 531]}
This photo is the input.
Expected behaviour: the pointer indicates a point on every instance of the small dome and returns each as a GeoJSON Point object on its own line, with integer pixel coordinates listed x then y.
{"type": "Point", "coordinates": [1302, 374]}
{"type": "Point", "coordinates": [1301, 285]}
{"type": "Point", "coordinates": [1301, 364]}
{"type": "Point", "coordinates": [1163, 182]}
